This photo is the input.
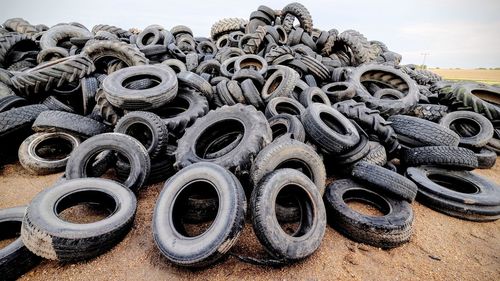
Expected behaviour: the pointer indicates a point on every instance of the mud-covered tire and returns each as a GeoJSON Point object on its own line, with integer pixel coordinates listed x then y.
{"type": "Point", "coordinates": [197, 140]}
{"type": "Point", "coordinates": [53, 74]}
{"type": "Point", "coordinates": [479, 138]}
{"type": "Point", "coordinates": [460, 194]}
{"type": "Point", "coordinates": [60, 121]}
{"type": "Point", "coordinates": [168, 232]}
{"type": "Point", "coordinates": [146, 127]}
{"type": "Point", "coordinates": [414, 132]}
{"type": "Point", "coordinates": [15, 258]}
{"type": "Point", "coordinates": [442, 156]}
{"type": "Point", "coordinates": [31, 160]}
{"type": "Point", "coordinates": [140, 99]}
{"type": "Point", "coordinates": [311, 230]}
{"type": "Point", "coordinates": [289, 153]}
{"type": "Point", "coordinates": [431, 112]}
{"type": "Point", "coordinates": [392, 229]}
{"type": "Point", "coordinates": [335, 135]}
{"type": "Point", "coordinates": [19, 119]}
{"type": "Point", "coordinates": [283, 124]}
{"type": "Point", "coordinates": [41, 227]}
{"type": "Point", "coordinates": [385, 181]}
{"type": "Point", "coordinates": [127, 146]}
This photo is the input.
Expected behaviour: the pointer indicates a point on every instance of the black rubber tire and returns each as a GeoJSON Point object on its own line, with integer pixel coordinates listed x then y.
{"type": "Point", "coordinates": [377, 154]}
{"type": "Point", "coordinates": [415, 132]}
{"type": "Point", "coordinates": [300, 12]}
{"type": "Point", "coordinates": [195, 81]}
{"type": "Point", "coordinates": [55, 34]}
{"type": "Point", "coordinates": [60, 121]}
{"type": "Point", "coordinates": [480, 137]}
{"type": "Point", "coordinates": [127, 146]}
{"type": "Point", "coordinates": [358, 48]}
{"type": "Point", "coordinates": [282, 124]}
{"type": "Point", "coordinates": [392, 229]}
{"type": "Point", "coordinates": [256, 135]}
{"type": "Point", "coordinates": [236, 92]}
{"type": "Point", "coordinates": [11, 42]}
{"type": "Point", "coordinates": [153, 134]}
{"type": "Point", "coordinates": [19, 119]}
{"type": "Point", "coordinates": [54, 104]}
{"type": "Point", "coordinates": [15, 258]}
{"type": "Point", "coordinates": [224, 94]}
{"type": "Point", "coordinates": [122, 33]}
{"type": "Point", "coordinates": [140, 99]}
{"type": "Point", "coordinates": [312, 95]}
{"type": "Point", "coordinates": [475, 198]}
{"type": "Point", "coordinates": [280, 105]}
{"type": "Point", "coordinates": [31, 160]}
{"type": "Point", "coordinates": [391, 77]}
{"type": "Point", "coordinates": [205, 249]}
{"type": "Point", "coordinates": [90, 85]}
{"type": "Point", "coordinates": [371, 121]}
{"type": "Point", "coordinates": [307, 238]}
{"type": "Point", "coordinates": [129, 54]}
{"type": "Point", "coordinates": [53, 74]}
{"type": "Point", "coordinates": [327, 135]}
{"type": "Point", "coordinates": [161, 169]}
{"type": "Point", "coordinates": [41, 228]}
{"type": "Point", "coordinates": [385, 181]}
{"type": "Point", "coordinates": [226, 26]}
{"type": "Point", "coordinates": [280, 84]}
{"type": "Point", "coordinates": [9, 102]}
{"type": "Point", "coordinates": [289, 153]}
{"type": "Point", "coordinates": [486, 158]}
{"type": "Point", "coordinates": [178, 116]}
{"type": "Point", "coordinates": [463, 97]}
{"type": "Point", "coordinates": [451, 157]}
{"type": "Point", "coordinates": [251, 94]}
{"type": "Point", "coordinates": [105, 110]}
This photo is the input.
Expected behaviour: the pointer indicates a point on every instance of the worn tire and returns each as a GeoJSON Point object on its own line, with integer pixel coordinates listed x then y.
{"type": "Point", "coordinates": [280, 105]}
{"type": "Point", "coordinates": [481, 136]}
{"type": "Point", "coordinates": [486, 158]}
{"type": "Point", "coordinates": [442, 156]}
{"type": "Point", "coordinates": [385, 181]}
{"type": "Point", "coordinates": [278, 243]}
{"type": "Point", "coordinates": [60, 121]}
{"type": "Point", "coordinates": [388, 231]}
{"type": "Point", "coordinates": [19, 119]}
{"type": "Point", "coordinates": [48, 236]}
{"type": "Point", "coordinates": [283, 124]}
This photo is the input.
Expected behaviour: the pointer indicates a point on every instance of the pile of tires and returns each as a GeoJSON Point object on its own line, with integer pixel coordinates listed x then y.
{"type": "Point", "coordinates": [243, 127]}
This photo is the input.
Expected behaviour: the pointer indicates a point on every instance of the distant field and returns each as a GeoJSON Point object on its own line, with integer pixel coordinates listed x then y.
{"type": "Point", "coordinates": [479, 75]}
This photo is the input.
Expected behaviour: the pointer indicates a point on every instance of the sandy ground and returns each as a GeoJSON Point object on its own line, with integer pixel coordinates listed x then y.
{"type": "Point", "coordinates": [442, 248]}
{"type": "Point", "coordinates": [482, 75]}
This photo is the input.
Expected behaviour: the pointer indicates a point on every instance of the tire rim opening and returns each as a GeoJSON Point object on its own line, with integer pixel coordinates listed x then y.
{"type": "Point", "coordinates": [54, 148]}
{"type": "Point", "coordinates": [366, 203]}
{"type": "Point", "coordinates": [336, 88]}
{"type": "Point", "coordinates": [218, 136]}
{"type": "Point", "coordinates": [454, 183]}
{"type": "Point", "coordinates": [465, 127]}
{"type": "Point", "coordinates": [489, 96]}
{"type": "Point", "coordinates": [298, 165]}
{"type": "Point", "coordinates": [294, 197]}
{"type": "Point", "coordinates": [333, 123]}
{"type": "Point", "coordinates": [275, 84]}
{"type": "Point", "coordinates": [278, 130]}
{"type": "Point", "coordinates": [287, 107]}
{"type": "Point", "coordinates": [251, 63]}
{"type": "Point", "coordinates": [142, 132]}
{"type": "Point", "coordinates": [84, 207]}
{"type": "Point", "coordinates": [141, 82]}
{"type": "Point", "coordinates": [383, 79]}
{"type": "Point", "coordinates": [173, 109]}
{"type": "Point", "coordinates": [193, 220]}
{"type": "Point", "coordinates": [148, 38]}
{"type": "Point", "coordinates": [11, 230]}
{"type": "Point", "coordinates": [318, 99]}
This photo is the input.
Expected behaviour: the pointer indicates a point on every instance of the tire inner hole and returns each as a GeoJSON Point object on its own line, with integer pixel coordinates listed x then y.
{"type": "Point", "coordinates": [275, 84]}
{"type": "Point", "coordinates": [293, 197]}
{"type": "Point", "coordinates": [287, 107]}
{"type": "Point", "coordinates": [250, 63]}
{"type": "Point", "coordinates": [11, 230]}
{"type": "Point", "coordinates": [141, 132]}
{"type": "Point", "coordinates": [489, 96]}
{"type": "Point", "coordinates": [148, 38]}
{"type": "Point", "coordinates": [85, 207]}
{"type": "Point", "coordinates": [453, 183]}
{"type": "Point", "coordinates": [366, 203]}
{"type": "Point", "coordinates": [279, 129]}
{"type": "Point", "coordinates": [55, 148]}
{"type": "Point", "coordinates": [465, 127]}
{"type": "Point", "coordinates": [141, 82]}
{"type": "Point", "coordinates": [218, 136]}
{"type": "Point", "coordinates": [298, 165]}
{"type": "Point", "coordinates": [318, 99]}
{"type": "Point", "coordinates": [337, 88]}
{"type": "Point", "coordinates": [173, 109]}
{"type": "Point", "coordinates": [333, 123]}
{"type": "Point", "coordinates": [195, 209]}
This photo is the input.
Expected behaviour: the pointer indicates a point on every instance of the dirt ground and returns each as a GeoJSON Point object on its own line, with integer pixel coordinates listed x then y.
{"type": "Point", "coordinates": [442, 248]}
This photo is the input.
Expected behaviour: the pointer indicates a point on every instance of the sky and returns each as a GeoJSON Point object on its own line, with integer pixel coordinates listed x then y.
{"type": "Point", "coordinates": [455, 33]}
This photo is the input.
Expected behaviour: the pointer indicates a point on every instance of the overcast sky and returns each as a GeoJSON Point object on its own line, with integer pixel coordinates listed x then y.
{"type": "Point", "coordinates": [456, 33]}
